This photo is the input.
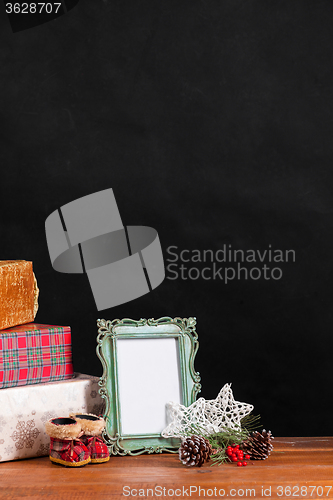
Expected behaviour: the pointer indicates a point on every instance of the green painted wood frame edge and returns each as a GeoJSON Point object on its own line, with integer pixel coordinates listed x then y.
{"type": "Point", "coordinates": [181, 328]}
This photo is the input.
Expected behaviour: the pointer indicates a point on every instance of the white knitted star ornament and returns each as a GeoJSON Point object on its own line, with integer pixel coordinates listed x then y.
{"type": "Point", "coordinates": [210, 416]}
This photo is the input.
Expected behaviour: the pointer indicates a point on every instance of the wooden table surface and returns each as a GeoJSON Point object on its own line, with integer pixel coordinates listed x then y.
{"type": "Point", "coordinates": [297, 468]}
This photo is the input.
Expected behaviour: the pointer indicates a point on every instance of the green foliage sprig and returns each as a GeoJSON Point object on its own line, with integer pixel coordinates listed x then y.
{"type": "Point", "coordinates": [250, 422]}
{"type": "Point", "coordinates": [227, 437]}
{"type": "Point", "coordinates": [219, 441]}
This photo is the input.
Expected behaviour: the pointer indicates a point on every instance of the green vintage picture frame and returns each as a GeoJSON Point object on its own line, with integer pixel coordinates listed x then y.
{"type": "Point", "coordinates": [109, 332]}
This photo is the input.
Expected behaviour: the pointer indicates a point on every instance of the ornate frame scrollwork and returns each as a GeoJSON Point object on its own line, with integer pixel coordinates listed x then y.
{"type": "Point", "coordinates": [182, 329]}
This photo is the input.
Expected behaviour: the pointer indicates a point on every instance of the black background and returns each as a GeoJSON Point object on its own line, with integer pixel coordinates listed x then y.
{"type": "Point", "coordinates": [212, 122]}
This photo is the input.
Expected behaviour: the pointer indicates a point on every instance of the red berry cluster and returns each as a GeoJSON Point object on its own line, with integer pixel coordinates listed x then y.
{"type": "Point", "coordinates": [236, 455]}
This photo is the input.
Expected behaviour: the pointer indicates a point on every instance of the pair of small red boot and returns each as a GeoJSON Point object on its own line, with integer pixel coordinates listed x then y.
{"type": "Point", "coordinates": [75, 440]}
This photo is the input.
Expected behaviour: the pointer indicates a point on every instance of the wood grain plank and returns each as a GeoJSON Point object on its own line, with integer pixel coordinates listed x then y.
{"type": "Point", "coordinates": [294, 463]}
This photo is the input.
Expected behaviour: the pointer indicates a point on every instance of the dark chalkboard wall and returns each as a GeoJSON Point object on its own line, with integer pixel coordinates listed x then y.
{"type": "Point", "coordinates": [213, 123]}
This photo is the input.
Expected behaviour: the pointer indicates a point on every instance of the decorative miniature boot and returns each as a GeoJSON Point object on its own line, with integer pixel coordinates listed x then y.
{"type": "Point", "coordinates": [65, 446]}
{"type": "Point", "coordinates": [92, 427]}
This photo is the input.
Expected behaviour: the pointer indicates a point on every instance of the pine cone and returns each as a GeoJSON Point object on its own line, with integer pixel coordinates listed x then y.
{"type": "Point", "coordinates": [195, 450]}
{"type": "Point", "coordinates": [258, 446]}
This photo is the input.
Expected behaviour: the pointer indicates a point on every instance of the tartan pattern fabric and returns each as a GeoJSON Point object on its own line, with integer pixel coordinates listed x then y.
{"type": "Point", "coordinates": [71, 452]}
{"type": "Point", "coordinates": [97, 448]}
{"type": "Point", "coordinates": [35, 353]}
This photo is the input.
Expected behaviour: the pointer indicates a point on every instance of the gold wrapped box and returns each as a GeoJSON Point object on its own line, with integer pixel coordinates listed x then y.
{"type": "Point", "coordinates": [18, 293]}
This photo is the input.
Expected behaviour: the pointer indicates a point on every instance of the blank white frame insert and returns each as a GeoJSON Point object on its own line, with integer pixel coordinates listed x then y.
{"type": "Point", "coordinates": [148, 377]}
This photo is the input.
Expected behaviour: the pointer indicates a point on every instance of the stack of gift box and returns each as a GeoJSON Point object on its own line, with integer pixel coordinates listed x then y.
{"type": "Point", "coordinates": [37, 381]}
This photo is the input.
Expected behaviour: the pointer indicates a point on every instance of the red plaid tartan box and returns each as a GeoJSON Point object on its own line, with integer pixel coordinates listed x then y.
{"type": "Point", "coordinates": [34, 353]}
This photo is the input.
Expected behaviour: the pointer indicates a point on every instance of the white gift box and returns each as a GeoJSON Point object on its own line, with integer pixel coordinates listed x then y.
{"type": "Point", "coordinates": [24, 411]}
